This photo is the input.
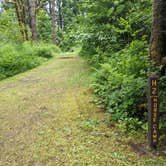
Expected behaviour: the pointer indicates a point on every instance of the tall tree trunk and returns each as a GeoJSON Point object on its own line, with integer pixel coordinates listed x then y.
{"type": "Point", "coordinates": [53, 22]}
{"type": "Point", "coordinates": [61, 21]}
{"type": "Point", "coordinates": [50, 7]}
{"type": "Point", "coordinates": [33, 19]}
{"type": "Point", "coordinates": [18, 13]}
{"type": "Point", "coordinates": [158, 36]}
{"type": "Point", "coordinates": [24, 19]}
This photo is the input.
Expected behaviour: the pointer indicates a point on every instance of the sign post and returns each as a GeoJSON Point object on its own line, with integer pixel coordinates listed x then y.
{"type": "Point", "coordinates": [153, 112]}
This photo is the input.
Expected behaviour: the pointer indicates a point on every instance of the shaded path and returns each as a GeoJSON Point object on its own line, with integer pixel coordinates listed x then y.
{"type": "Point", "coordinates": [47, 119]}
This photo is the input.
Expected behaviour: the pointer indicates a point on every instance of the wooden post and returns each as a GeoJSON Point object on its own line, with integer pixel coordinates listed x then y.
{"type": "Point", "coordinates": [153, 112]}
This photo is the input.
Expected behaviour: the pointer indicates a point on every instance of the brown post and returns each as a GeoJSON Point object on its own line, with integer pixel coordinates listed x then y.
{"type": "Point", "coordinates": [153, 112]}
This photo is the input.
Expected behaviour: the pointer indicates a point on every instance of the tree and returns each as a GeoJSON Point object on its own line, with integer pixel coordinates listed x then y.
{"type": "Point", "coordinates": [21, 13]}
{"type": "Point", "coordinates": [16, 4]}
{"type": "Point", "coordinates": [60, 15]}
{"type": "Point", "coordinates": [24, 19]}
{"type": "Point", "coordinates": [158, 35]}
{"type": "Point", "coordinates": [33, 19]}
{"type": "Point", "coordinates": [53, 21]}
{"type": "Point", "coordinates": [21, 17]}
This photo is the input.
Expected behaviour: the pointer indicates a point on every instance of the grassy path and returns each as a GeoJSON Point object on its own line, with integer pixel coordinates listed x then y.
{"type": "Point", "coordinates": [47, 119]}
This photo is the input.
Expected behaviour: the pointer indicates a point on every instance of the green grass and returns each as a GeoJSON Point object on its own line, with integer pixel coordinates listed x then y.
{"type": "Point", "coordinates": [47, 118]}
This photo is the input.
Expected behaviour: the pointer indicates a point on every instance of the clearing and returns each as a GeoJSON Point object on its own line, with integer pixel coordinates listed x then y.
{"type": "Point", "coordinates": [47, 118]}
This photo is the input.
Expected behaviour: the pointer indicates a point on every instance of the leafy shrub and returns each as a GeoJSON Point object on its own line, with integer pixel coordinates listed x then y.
{"type": "Point", "coordinates": [13, 62]}
{"type": "Point", "coordinates": [116, 44]}
{"type": "Point", "coordinates": [120, 84]}
{"type": "Point", "coordinates": [39, 49]}
{"type": "Point", "coordinates": [46, 51]}
{"type": "Point", "coordinates": [15, 58]}
{"type": "Point", "coordinates": [54, 48]}
{"type": "Point", "coordinates": [43, 52]}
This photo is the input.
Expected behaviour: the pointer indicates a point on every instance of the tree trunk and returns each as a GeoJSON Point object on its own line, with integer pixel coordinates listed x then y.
{"type": "Point", "coordinates": [24, 19]}
{"type": "Point", "coordinates": [50, 7]}
{"type": "Point", "coordinates": [158, 36]}
{"type": "Point", "coordinates": [61, 22]}
{"type": "Point", "coordinates": [19, 18]}
{"type": "Point", "coordinates": [53, 22]}
{"type": "Point", "coordinates": [33, 19]}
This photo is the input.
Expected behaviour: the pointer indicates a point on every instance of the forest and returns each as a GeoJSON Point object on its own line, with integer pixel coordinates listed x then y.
{"type": "Point", "coordinates": [70, 67]}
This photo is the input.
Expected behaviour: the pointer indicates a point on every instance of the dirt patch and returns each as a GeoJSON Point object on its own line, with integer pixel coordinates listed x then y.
{"type": "Point", "coordinates": [7, 86]}
{"type": "Point", "coordinates": [140, 149]}
{"type": "Point", "coordinates": [29, 120]}
{"type": "Point", "coordinates": [67, 57]}
{"type": "Point", "coordinates": [29, 79]}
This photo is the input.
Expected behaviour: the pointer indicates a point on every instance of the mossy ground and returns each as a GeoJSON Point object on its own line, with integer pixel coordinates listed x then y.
{"type": "Point", "coordinates": [47, 119]}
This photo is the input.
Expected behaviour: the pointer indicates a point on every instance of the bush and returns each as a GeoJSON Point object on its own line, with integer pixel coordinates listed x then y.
{"type": "Point", "coordinates": [54, 48]}
{"type": "Point", "coordinates": [116, 44]}
{"type": "Point", "coordinates": [121, 83]}
{"type": "Point", "coordinates": [46, 50]}
{"type": "Point", "coordinates": [15, 59]}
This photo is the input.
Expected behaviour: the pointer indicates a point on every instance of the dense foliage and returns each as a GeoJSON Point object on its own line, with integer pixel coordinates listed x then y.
{"type": "Point", "coordinates": [115, 39]}
{"type": "Point", "coordinates": [44, 26]}
{"type": "Point", "coordinates": [9, 30]}
{"type": "Point", "coordinates": [16, 58]}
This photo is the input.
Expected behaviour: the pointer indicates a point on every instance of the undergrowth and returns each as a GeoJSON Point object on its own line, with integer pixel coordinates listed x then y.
{"type": "Point", "coordinates": [117, 47]}
{"type": "Point", "coordinates": [17, 58]}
